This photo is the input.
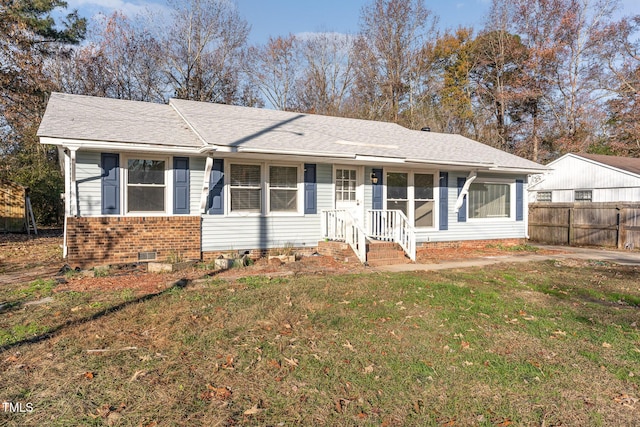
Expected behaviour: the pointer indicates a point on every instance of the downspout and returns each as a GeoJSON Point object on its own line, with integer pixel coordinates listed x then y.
{"type": "Point", "coordinates": [465, 190]}
{"type": "Point", "coordinates": [67, 196]}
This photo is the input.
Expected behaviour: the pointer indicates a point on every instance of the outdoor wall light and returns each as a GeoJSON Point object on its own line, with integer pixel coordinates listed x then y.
{"type": "Point", "coordinates": [374, 178]}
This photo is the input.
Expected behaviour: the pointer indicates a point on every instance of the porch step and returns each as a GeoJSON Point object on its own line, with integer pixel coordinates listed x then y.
{"type": "Point", "coordinates": [385, 253]}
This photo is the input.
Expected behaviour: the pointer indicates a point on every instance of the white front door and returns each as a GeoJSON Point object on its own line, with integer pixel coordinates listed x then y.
{"type": "Point", "coordinates": [349, 190]}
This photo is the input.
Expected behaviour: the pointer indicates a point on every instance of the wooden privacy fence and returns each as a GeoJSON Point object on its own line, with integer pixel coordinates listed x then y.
{"type": "Point", "coordinates": [614, 225]}
{"type": "Point", "coordinates": [12, 207]}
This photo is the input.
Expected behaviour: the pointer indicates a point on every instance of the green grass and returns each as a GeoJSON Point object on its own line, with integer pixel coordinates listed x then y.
{"type": "Point", "coordinates": [518, 344]}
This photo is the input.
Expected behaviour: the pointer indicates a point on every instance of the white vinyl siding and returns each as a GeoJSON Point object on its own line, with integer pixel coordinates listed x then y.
{"type": "Point", "coordinates": [231, 232]}
{"type": "Point", "coordinates": [570, 174]}
{"type": "Point", "coordinates": [88, 183]}
{"type": "Point", "coordinates": [498, 228]}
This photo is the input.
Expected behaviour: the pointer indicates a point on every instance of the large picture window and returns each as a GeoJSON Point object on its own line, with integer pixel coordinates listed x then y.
{"type": "Point", "coordinates": [283, 189]}
{"type": "Point", "coordinates": [146, 185]}
{"type": "Point", "coordinates": [246, 188]}
{"type": "Point", "coordinates": [489, 200]}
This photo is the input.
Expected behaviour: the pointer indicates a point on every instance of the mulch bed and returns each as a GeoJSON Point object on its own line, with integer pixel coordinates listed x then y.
{"type": "Point", "coordinates": [24, 258]}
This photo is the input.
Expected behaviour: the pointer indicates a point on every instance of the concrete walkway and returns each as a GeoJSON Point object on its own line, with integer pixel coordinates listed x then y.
{"type": "Point", "coordinates": [560, 252]}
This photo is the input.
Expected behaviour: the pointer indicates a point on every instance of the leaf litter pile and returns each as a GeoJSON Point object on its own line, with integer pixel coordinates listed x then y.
{"type": "Point", "coordinates": [548, 343]}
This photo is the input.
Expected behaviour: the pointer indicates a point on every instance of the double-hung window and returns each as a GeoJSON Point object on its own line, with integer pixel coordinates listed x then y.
{"type": "Point", "coordinates": [423, 200]}
{"type": "Point", "coordinates": [283, 188]}
{"type": "Point", "coordinates": [246, 188]}
{"type": "Point", "coordinates": [489, 200]}
{"type": "Point", "coordinates": [397, 193]}
{"type": "Point", "coordinates": [146, 185]}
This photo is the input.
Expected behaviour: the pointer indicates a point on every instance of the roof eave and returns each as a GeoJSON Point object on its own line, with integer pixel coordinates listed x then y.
{"type": "Point", "coordinates": [94, 145]}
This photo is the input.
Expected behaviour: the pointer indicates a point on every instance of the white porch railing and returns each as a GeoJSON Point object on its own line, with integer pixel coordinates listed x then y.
{"type": "Point", "coordinates": [392, 226]}
{"type": "Point", "coordinates": [339, 224]}
{"type": "Point", "coordinates": [387, 225]}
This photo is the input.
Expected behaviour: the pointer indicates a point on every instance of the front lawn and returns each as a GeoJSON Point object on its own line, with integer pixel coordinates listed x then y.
{"type": "Point", "coordinates": [550, 343]}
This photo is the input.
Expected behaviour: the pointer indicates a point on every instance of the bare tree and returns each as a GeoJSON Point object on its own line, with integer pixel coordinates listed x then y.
{"type": "Point", "coordinates": [327, 73]}
{"type": "Point", "coordinates": [274, 69]}
{"type": "Point", "coordinates": [386, 56]}
{"type": "Point", "coordinates": [202, 50]}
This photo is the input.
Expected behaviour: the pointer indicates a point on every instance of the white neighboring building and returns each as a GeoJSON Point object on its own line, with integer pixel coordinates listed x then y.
{"type": "Point", "coordinates": [588, 178]}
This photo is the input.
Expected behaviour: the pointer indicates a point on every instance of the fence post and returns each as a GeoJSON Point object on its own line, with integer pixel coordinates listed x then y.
{"type": "Point", "coordinates": [622, 220]}
{"type": "Point", "coordinates": [570, 226]}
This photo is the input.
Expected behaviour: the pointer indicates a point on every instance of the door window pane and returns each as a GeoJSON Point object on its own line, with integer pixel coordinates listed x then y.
{"type": "Point", "coordinates": [345, 185]}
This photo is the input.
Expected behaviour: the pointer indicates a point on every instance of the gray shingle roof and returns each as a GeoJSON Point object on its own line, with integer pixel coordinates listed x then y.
{"type": "Point", "coordinates": [104, 119]}
{"type": "Point", "coordinates": [263, 129]}
{"type": "Point", "coordinates": [193, 124]}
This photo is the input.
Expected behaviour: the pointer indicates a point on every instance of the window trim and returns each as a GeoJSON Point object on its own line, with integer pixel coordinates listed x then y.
{"type": "Point", "coordinates": [550, 193]}
{"type": "Point", "coordinates": [265, 187]}
{"type": "Point", "coordinates": [512, 200]}
{"type": "Point", "coordinates": [168, 184]}
{"type": "Point", "coordinates": [299, 189]}
{"type": "Point", "coordinates": [411, 206]}
{"type": "Point", "coordinates": [575, 192]}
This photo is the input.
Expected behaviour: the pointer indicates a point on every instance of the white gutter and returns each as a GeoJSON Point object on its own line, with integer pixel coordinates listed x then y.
{"type": "Point", "coordinates": [486, 165]}
{"type": "Point", "coordinates": [293, 153]}
{"type": "Point", "coordinates": [117, 146]}
{"type": "Point", "coordinates": [465, 190]}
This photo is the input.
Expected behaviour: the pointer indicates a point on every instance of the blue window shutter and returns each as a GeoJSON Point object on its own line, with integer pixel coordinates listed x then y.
{"type": "Point", "coordinates": [181, 199]}
{"type": "Point", "coordinates": [444, 200]}
{"type": "Point", "coordinates": [462, 212]}
{"type": "Point", "coordinates": [110, 183]}
{"type": "Point", "coordinates": [310, 189]}
{"type": "Point", "coordinates": [377, 190]}
{"type": "Point", "coordinates": [519, 200]}
{"type": "Point", "coordinates": [216, 188]}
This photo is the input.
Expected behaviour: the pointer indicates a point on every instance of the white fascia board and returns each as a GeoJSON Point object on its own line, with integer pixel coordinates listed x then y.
{"type": "Point", "coordinates": [293, 153]}
{"type": "Point", "coordinates": [484, 165]}
{"type": "Point", "coordinates": [117, 146]}
{"type": "Point", "coordinates": [379, 159]}
{"type": "Point", "coordinates": [527, 171]}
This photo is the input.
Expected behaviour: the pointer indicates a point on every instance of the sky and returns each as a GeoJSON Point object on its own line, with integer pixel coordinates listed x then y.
{"type": "Point", "coordinates": [281, 17]}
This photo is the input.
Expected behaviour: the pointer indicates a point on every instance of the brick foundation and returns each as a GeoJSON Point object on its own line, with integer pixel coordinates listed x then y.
{"type": "Point", "coordinates": [467, 244]}
{"type": "Point", "coordinates": [256, 254]}
{"type": "Point", "coordinates": [341, 251]}
{"type": "Point", "coordinates": [95, 241]}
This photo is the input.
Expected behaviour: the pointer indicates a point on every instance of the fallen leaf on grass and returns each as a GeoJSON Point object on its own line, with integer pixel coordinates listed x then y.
{"type": "Point", "coordinates": [606, 345]}
{"type": "Point", "coordinates": [274, 364]}
{"type": "Point", "coordinates": [218, 393]}
{"type": "Point", "coordinates": [293, 362]}
{"type": "Point", "coordinates": [626, 400]}
{"type": "Point", "coordinates": [349, 346]}
{"type": "Point", "coordinates": [252, 411]}
{"type": "Point", "coordinates": [89, 375]}
{"type": "Point", "coordinates": [504, 423]}
{"type": "Point", "coordinates": [362, 415]}
{"type": "Point", "coordinates": [465, 345]}
{"type": "Point", "coordinates": [368, 369]}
